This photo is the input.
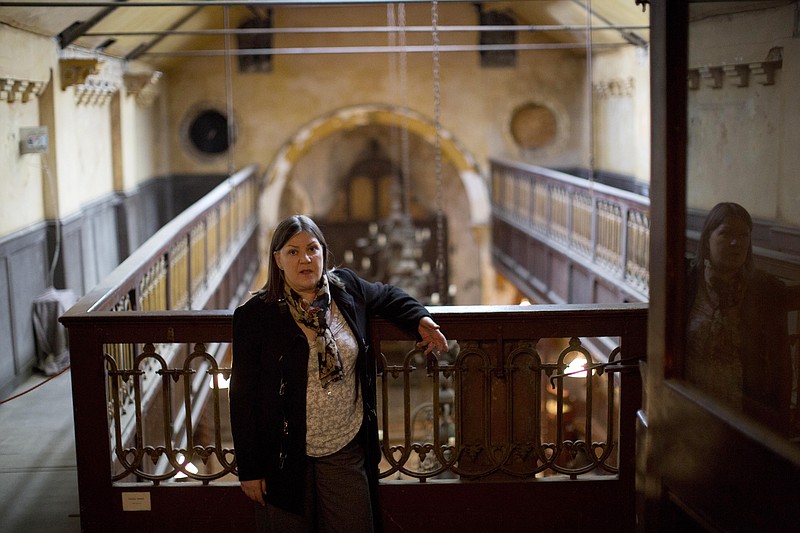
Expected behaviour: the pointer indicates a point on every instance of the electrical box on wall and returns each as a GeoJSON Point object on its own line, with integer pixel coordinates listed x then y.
{"type": "Point", "coordinates": [33, 140]}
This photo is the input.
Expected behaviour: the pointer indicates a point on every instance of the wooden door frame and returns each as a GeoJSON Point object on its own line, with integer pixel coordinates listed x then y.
{"type": "Point", "coordinates": [701, 467]}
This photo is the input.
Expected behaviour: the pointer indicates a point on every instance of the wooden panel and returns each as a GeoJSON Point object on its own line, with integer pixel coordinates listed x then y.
{"type": "Point", "coordinates": [702, 466]}
{"type": "Point", "coordinates": [759, 494]}
{"type": "Point", "coordinates": [7, 373]}
{"type": "Point", "coordinates": [581, 285]}
{"type": "Point", "coordinates": [541, 506]}
{"type": "Point", "coordinates": [27, 273]}
{"type": "Point", "coordinates": [23, 272]}
{"type": "Point", "coordinates": [560, 277]}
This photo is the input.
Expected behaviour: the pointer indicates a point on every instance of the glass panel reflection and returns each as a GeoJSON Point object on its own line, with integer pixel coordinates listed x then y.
{"type": "Point", "coordinates": [743, 214]}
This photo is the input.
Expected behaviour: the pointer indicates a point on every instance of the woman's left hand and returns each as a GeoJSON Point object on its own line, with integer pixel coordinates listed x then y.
{"type": "Point", "coordinates": [432, 338]}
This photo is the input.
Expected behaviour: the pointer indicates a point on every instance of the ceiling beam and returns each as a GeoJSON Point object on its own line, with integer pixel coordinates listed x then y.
{"type": "Point", "coordinates": [144, 47]}
{"type": "Point", "coordinates": [78, 28]}
{"type": "Point", "coordinates": [382, 49]}
{"type": "Point", "coordinates": [631, 37]}
{"type": "Point", "coordinates": [188, 3]}
{"type": "Point", "coordinates": [369, 29]}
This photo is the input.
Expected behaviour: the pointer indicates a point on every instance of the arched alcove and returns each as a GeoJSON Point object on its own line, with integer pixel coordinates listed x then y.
{"type": "Point", "coordinates": [306, 176]}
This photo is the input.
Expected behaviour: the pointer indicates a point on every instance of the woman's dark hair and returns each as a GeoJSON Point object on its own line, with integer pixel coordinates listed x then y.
{"type": "Point", "coordinates": [286, 229]}
{"type": "Point", "coordinates": [718, 214]}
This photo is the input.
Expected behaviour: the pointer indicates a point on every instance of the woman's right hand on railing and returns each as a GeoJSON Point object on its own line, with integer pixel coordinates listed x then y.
{"type": "Point", "coordinates": [255, 490]}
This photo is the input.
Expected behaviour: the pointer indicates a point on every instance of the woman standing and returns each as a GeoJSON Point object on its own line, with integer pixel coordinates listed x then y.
{"type": "Point", "coordinates": [738, 332]}
{"type": "Point", "coordinates": [302, 396]}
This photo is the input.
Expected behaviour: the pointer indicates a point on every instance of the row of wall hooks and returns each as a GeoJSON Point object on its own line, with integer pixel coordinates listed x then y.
{"type": "Point", "coordinates": [737, 74]}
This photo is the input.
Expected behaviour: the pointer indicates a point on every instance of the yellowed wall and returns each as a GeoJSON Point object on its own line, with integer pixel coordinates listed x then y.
{"type": "Point", "coordinates": [21, 201]}
{"type": "Point", "coordinates": [100, 148]}
{"type": "Point", "coordinates": [142, 138]}
{"type": "Point", "coordinates": [743, 140]}
{"type": "Point", "coordinates": [621, 105]}
{"type": "Point", "coordinates": [82, 138]}
{"type": "Point", "coordinates": [98, 145]}
{"type": "Point", "coordinates": [476, 103]}
{"type": "Point", "coordinates": [476, 106]}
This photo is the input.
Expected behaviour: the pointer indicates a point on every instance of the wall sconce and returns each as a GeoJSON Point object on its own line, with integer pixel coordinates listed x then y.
{"type": "Point", "coordinates": [222, 382]}
{"type": "Point", "coordinates": [577, 367]}
{"type": "Point", "coordinates": [75, 71]}
{"type": "Point", "coordinates": [142, 85]}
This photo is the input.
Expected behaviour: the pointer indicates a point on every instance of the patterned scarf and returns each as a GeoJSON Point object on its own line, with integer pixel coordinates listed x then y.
{"type": "Point", "coordinates": [724, 294]}
{"type": "Point", "coordinates": [724, 334]}
{"type": "Point", "coordinates": [314, 316]}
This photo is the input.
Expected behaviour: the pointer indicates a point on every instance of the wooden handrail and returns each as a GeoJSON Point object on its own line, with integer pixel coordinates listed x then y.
{"type": "Point", "coordinates": [239, 192]}
{"type": "Point", "coordinates": [494, 406]}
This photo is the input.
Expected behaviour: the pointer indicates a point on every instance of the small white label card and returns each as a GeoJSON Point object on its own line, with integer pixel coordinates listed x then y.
{"type": "Point", "coordinates": [135, 501]}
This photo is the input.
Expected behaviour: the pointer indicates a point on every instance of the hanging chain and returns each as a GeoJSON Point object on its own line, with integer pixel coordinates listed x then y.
{"type": "Point", "coordinates": [405, 161]}
{"type": "Point", "coordinates": [229, 91]}
{"type": "Point", "coordinates": [397, 181]}
{"type": "Point", "coordinates": [398, 80]}
{"type": "Point", "coordinates": [440, 260]}
{"type": "Point", "coordinates": [590, 89]}
{"type": "Point", "coordinates": [590, 104]}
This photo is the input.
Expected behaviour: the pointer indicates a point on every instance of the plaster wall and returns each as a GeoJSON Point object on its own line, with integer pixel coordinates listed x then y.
{"type": "Point", "coordinates": [23, 57]}
{"type": "Point", "coordinates": [139, 138]}
{"type": "Point", "coordinates": [476, 103]}
{"type": "Point", "coordinates": [621, 110]}
{"type": "Point", "coordinates": [743, 140]}
{"type": "Point", "coordinates": [95, 148]}
{"type": "Point", "coordinates": [82, 136]}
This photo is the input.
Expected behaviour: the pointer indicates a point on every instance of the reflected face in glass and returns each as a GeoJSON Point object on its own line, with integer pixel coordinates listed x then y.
{"type": "Point", "coordinates": [300, 259]}
{"type": "Point", "coordinates": [728, 245]}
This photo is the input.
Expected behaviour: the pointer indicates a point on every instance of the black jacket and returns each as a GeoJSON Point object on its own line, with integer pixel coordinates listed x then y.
{"type": "Point", "coordinates": [268, 385]}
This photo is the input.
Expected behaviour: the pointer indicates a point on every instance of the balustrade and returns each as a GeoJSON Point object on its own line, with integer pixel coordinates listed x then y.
{"type": "Point", "coordinates": [504, 405]}
{"type": "Point", "coordinates": [606, 230]}
{"type": "Point", "coordinates": [151, 417]}
{"type": "Point", "coordinates": [506, 402]}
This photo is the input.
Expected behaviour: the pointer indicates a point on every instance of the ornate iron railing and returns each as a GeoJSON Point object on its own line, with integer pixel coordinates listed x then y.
{"type": "Point", "coordinates": [506, 403]}
{"type": "Point", "coordinates": [200, 257]}
{"type": "Point", "coordinates": [166, 443]}
{"type": "Point", "coordinates": [502, 406]}
{"type": "Point", "coordinates": [511, 401]}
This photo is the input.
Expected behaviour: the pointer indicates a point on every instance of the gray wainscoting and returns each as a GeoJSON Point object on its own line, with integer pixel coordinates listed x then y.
{"type": "Point", "coordinates": [89, 245]}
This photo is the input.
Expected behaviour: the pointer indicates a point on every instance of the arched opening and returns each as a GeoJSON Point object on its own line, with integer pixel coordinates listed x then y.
{"type": "Point", "coordinates": [310, 175]}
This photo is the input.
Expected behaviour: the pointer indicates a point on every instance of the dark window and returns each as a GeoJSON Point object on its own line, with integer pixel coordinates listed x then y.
{"type": "Point", "coordinates": [208, 132]}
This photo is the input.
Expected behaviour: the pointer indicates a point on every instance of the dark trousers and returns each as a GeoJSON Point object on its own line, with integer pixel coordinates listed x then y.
{"type": "Point", "coordinates": [337, 498]}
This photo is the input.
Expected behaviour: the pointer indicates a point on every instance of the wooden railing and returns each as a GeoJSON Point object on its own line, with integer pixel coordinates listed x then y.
{"type": "Point", "coordinates": [180, 266]}
{"type": "Point", "coordinates": [481, 425]}
{"type": "Point", "coordinates": [205, 258]}
{"type": "Point", "coordinates": [603, 229]}
{"type": "Point", "coordinates": [500, 407]}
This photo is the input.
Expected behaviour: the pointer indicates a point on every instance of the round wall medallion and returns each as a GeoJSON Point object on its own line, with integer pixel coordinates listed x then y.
{"type": "Point", "coordinates": [533, 126]}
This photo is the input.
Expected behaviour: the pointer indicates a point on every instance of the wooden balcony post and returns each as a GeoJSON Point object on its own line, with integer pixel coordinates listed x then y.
{"type": "Point", "coordinates": [92, 446]}
{"type": "Point", "coordinates": [624, 242]}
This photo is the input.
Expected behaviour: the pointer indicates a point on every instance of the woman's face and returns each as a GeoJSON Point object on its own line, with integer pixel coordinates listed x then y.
{"type": "Point", "coordinates": [729, 244]}
{"type": "Point", "coordinates": [301, 262]}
